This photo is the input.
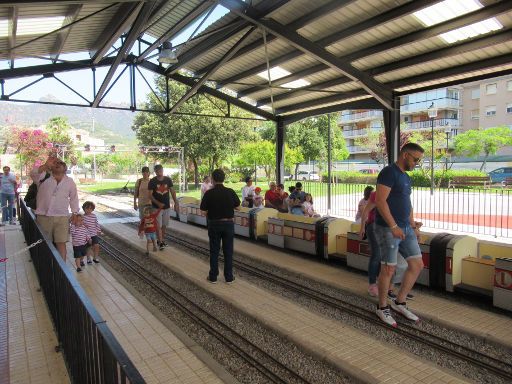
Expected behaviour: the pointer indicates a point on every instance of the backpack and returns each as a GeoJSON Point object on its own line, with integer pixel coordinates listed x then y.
{"type": "Point", "coordinates": [31, 196]}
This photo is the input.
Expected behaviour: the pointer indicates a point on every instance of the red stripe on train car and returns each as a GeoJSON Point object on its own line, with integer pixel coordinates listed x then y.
{"type": "Point", "coordinates": [503, 278]}
{"type": "Point", "coordinates": [426, 260]}
{"type": "Point", "coordinates": [353, 246]}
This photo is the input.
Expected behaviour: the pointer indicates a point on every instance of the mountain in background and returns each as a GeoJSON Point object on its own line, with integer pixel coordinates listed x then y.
{"type": "Point", "coordinates": [113, 126]}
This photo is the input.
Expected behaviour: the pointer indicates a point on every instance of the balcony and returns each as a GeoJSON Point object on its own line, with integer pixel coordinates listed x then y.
{"type": "Point", "coordinates": [422, 106]}
{"type": "Point", "coordinates": [358, 116]}
{"type": "Point", "coordinates": [355, 133]}
{"type": "Point", "coordinates": [442, 123]}
{"type": "Point", "coordinates": [353, 149]}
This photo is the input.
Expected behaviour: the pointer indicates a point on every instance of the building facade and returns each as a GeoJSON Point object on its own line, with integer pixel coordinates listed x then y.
{"type": "Point", "coordinates": [482, 104]}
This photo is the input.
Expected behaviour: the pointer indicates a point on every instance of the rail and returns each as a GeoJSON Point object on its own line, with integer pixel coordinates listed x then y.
{"type": "Point", "coordinates": [91, 352]}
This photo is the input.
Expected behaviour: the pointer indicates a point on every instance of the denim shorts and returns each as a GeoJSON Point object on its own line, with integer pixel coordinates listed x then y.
{"type": "Point", "coordinates": [389, 245]}
{"type": "Point", "coordinates": [151, 236]}
{"type": "Point", "coordinates": [80, 251]}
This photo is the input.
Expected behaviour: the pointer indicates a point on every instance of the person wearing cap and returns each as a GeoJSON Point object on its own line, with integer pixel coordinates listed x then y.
{"type": "Point", "coordinates": [141, 192]}
{"type": "Point", "coordinates": [248, 193]}
{"type": "Point", "coordinates": [159, 188]}
{"type": "Point", "coordinates": [258, 199]}
{"type": "Point", "coordinates": [219, 204]}
{"type": "Point", "coordinates": [55, 196]}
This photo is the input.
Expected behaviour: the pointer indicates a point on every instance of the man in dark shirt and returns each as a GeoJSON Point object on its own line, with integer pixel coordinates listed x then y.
{"type": "Point", "coordinates": [219, 204]}
{"type": "Point", "coordinates": [396, 230]}
{"type": "Point", "coordinates": [159, 188]}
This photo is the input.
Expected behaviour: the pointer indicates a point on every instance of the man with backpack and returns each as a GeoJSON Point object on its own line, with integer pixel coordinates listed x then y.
{"type": "Point", "coordinates": [141, 192]}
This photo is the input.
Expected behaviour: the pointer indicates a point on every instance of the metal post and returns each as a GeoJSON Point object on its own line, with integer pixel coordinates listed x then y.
{"type": "Point", "coordinates": [329, 164]}
{"type": "Point", "coordinates": [93, 153]}
{"type": "Point", "coordinates": [432, 160]}
{"type": "Point", "coordinates": [447, 149]}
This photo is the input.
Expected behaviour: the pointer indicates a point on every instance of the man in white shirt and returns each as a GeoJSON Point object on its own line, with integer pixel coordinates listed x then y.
{"type": "Point", "coordinates": [248, 193]}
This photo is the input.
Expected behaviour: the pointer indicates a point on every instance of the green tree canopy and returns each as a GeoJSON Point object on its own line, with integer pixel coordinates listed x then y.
{"type": "Point", "coordinates": [476, 142]}
{"type": "Point", "coordinates": [58, 133]}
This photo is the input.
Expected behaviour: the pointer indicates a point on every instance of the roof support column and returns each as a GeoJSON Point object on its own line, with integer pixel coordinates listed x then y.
{"type": "Point", "coordinates": [280, 136]}
{"type": "Point", "coordinates": [392, 129]}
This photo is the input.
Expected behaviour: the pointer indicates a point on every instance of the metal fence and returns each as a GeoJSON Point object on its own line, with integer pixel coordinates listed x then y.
{"type": "Point", "coordinates": [91, 352]}
{"type": "Point", "coordinates": [477, 211]}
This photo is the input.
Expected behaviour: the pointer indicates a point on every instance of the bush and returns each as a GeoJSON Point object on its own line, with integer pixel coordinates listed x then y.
{"type": "Point", "coordinates": [235, 177]}
{"type": "Point", "coordinates": [441, 178]}
{"type": "Point", "coordinates": [351, 177]}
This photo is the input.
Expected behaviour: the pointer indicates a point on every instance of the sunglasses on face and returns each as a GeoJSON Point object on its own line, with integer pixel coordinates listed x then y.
{"type": "Point", "coordinates": [415, 159]}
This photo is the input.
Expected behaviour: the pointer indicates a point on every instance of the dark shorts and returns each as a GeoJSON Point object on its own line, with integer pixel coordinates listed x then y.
{"type": "Point", "coordinates": [79, 251]}
{"type": "Point", "coordinates": [95, 240]}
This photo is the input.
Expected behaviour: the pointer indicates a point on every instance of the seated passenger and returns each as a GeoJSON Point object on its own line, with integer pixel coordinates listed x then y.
{"type": "Point", "coordinates": [207, 184]}
{"type": "Point", "coordinates": [272, 197]}
{"type": "Point", "coordinates": [296, 199]}
{"type": "Point", "coordinates": [248, 193]}
{"type": "Point", "coordinates": [363, 202]}
{"type": "Point", "coordinates": [307, 206]}
{"type": "Point", "coordinates": [284, 198]}
{"type": "Point", "coordinates": [258, 199]}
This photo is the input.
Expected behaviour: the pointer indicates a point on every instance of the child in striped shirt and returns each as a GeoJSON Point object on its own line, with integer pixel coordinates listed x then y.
{"type": "Point", "coordinates": [93, 227]}
{"type": "Point", "coordinates": [80, 239]}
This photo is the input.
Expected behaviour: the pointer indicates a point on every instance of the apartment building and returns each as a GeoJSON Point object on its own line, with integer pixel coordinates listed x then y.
{"type": "Point", "coordinates": [469, 106]}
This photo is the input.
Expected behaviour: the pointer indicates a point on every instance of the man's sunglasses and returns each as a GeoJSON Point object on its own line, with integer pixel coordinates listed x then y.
{"type": "Point", "coordinates": [415, 159]}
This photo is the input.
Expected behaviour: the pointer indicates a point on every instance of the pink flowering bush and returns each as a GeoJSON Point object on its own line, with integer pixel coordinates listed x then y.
{"type": "Point", "coordinates": [31, 146]}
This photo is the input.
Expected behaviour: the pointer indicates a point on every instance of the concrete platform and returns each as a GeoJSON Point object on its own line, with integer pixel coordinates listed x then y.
{"type": "Point", "coordinates": [351, 350]}
{"type": "Point", "coordinates": [31, 339]}
{"type": "Point", "coordinates": [160, 351]}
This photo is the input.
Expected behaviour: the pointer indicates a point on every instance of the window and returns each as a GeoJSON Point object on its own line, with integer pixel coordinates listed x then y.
{"type": "Point", "coordinates": [491, 89]}
{"type": "Point", "coordinates": [509, 108]}
{"type": "Point", "coordinates": [475, 93]}
{"type": "Point", "coordinates": [475, 114]}
{"type": "Point", "coordinates": [490, 110]}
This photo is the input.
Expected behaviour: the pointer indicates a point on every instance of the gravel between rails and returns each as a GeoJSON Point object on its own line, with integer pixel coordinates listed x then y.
{"type": "Point", "coordinates": [311, 369]}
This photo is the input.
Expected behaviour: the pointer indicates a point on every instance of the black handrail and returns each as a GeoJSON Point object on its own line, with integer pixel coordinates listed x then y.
{"type": "Point", "coordinates": [91, 352]}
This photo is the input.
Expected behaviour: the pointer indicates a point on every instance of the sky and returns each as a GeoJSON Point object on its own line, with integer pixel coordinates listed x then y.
{"type": "Point", "coordinates": [81, 81]}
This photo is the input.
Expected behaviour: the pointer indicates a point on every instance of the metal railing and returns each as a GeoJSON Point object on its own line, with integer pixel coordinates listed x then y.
{"type": "Point", "coordinates": [444, 123]}
{"type": "Point", "coordinates": [467, 210]}
{"type": "Point", "coordinates": [91, 352]}
{"type": "Point", "coordinates": [351, 117]}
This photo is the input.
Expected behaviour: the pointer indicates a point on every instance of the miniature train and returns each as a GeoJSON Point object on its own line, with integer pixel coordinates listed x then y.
{"type": "Point", "coordinates": [451, 262]}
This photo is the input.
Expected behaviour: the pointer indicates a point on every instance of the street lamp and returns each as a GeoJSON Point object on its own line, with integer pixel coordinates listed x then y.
{"type": "Point", "coordinates": [432, 114]}
{"type": "Point", "coordinates": [447, 132]}
{"type": "Point", "coordinates": [255, 168]}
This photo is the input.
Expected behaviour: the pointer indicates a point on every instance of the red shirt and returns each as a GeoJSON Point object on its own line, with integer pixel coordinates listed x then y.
{"type": "Point", "coordinates": [273, 198]}
{"type": "Point", "coordinates": [149, 224]}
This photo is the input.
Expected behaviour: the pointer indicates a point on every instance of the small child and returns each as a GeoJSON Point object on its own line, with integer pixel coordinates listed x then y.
{"type": "Point", "coordinates": [362, 203]}
{"type": "Point", "coordinates": [257, 199]}
{"type": "Point", "coordinates": [149, 226]}
{"type": "Point", "coordinates": [307, 206]}
{"type": "Point", "coordinates": [93, 227]}
{"type": "Point", "coordinates": [80, 239]}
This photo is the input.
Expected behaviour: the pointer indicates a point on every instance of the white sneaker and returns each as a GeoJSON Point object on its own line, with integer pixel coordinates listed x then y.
{"type": "Point", "coordinates": [385, 315]}
{"type": "Point", "coordinates": [404, 311]}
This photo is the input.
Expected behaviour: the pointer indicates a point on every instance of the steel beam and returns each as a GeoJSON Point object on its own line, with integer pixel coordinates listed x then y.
{"type": "Point", "coordinates": [347, 32]}
{"type": "Point", "coordinates": [71, 17]}
{"type": "Point", "coordinates": [376, 89]}
{"type": "Point", "coordinates": [219, 64]}
{"type": "Point", "coordinates": [176, 28]}
{"type": "Point", "coordinates": [137, 26]}
{"type": "Point", "coordinates": [314, 103]}
{"type": "Point", "coordinates": [392, 130]}
{"type": "Point", "coordinates": [120, 23]}
{"type": "Point", "coordinates": [280, 146]}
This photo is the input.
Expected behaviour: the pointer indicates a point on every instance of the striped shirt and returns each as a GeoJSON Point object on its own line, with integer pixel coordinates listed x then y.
{"type": "Point", "coordinates": [79, 235]}
{"type": "Point", "coordinates": [92, 225]}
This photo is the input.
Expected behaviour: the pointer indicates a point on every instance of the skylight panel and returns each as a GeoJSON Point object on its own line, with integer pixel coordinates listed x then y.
{"type": "Point", "coordinates": [38, 25]}
{"type": "Point", "coordinates": [296, 84]}
{"type": "Point", "coordinates": [472, 30]}
{"type": "Point", "coordinates": [446, 10]}
{"type": "Point", "coordinates": [275, 73]}
{"type": "Point", "coordinates": [4, 25]}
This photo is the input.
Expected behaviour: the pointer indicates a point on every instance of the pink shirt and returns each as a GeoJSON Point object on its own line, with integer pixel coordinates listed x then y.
{"type": "Point", "coordinates": [55, 199]}
{"type": "Point", "coordinates": [79, 235]}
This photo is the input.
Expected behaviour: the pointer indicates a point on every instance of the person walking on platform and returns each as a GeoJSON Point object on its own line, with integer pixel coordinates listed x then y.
{"type": "Point", "coordinates": [159, 188]}
{"type": "Point", "coordinates": [54, 198]}
{"type": "Point", "coordinates": [8, 188]}
{"type": "Point", "coordinates": [396, 230]}
{"type": "Point", "coordinates": [219, 204]}
{"type": "Point", "coordinates": [141, 196]}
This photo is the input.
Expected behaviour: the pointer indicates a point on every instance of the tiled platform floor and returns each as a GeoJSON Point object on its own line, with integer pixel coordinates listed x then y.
{"type": "Point", "coordinates": [158, 354]}
{"type": "Point", "coordinates": [348, 348]}
{"type": "Point", "coordinates": [32, 340]}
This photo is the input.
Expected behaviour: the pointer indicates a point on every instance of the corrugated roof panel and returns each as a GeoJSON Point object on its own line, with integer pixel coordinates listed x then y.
{"type": "Point", "coordinates": [338, 102]}
{"type": "Point", "coordinates": [430, 66]}
{"type": "Point", "coordinates": [296, 9]}
{"type": "Point", "coordinates": [171, 14]}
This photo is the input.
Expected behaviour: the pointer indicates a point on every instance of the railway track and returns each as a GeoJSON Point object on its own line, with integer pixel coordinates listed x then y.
{"type": "Point", "coordinates": [268, 366]}
{"type": "Point", "coordinates": [488, 364]}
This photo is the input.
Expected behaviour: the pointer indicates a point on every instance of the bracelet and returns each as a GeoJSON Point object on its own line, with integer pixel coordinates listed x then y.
{"type": "Point", "coordinates": [394, 226]}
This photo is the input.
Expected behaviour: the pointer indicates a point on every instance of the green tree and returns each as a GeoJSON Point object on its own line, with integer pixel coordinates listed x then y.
{"type": "Point", "coordinates": [206, 140]}
{"type": "Point", "coordinates": [58, 133]}
{"type": "Point", "coordinates": [260, 153]}
{"type": "Point", "coordinates": [476, 142]}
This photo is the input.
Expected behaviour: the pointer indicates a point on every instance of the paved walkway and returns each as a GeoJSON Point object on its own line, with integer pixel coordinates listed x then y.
{"type": "Point", "coordinates": [32, 340]}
